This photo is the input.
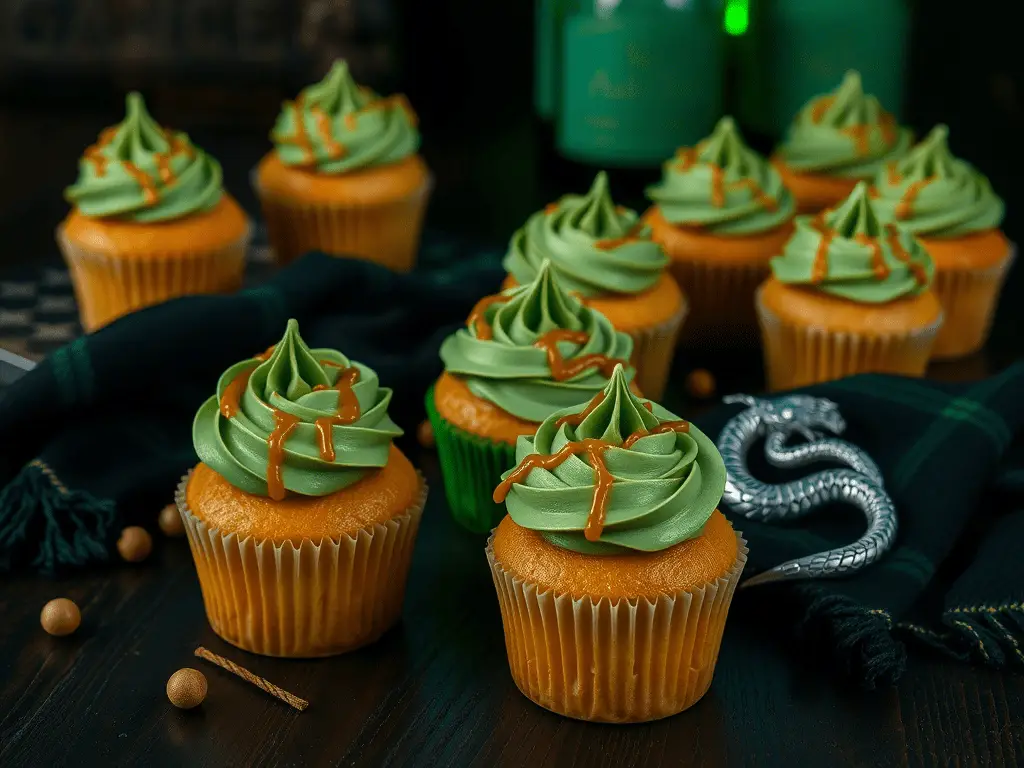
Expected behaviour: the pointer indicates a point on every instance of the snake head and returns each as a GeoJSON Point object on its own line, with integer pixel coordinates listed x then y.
{"type": "Point", "coordinates": [799, 414]}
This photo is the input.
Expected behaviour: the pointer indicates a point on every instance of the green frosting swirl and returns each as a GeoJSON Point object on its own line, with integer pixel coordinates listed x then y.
{"type": "Point", "coordinates": [930, 192]}
{"type": "Point", "coordinates": [665, 487]}
{"type": "Point", "coordinates": [336, 126]}
{"type": "Point", "coordinates": [510, 372]}
{"type": "Point", "coordinates": [723, 186]}
{"type": "Point", "coordinates": [138, 171]}
{"type": "Point", "coordinates": [824, 135]}
{"type": "Point", "coordinates": [579, 236]}
{"type": "Point", "coordinates": [296, 380]}
{"type": "Point", "coordinates": [863, 260]}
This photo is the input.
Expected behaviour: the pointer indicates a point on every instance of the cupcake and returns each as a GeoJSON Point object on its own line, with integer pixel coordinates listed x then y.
{"type": "Point", "coordinates": [953, 211]}
{"type": "Point", "coordinates": [720, 212]}
{"type": "Point", "coordinates": [849, 294]}
{"type": "Point", "coordinates": [301, 514]}
{"type": "Point", "coordinates": [523, 355]}
{"type": "Point", "coordinates": [150, 221]}
{"type": "Point", "coordinates": [836, 141]}
{"type": "Point", "coordinates": [344, 176]}
{"type": "Point", "coordinates": [602, 253]}
{"type": "Point", "coordinates": [614, 569]}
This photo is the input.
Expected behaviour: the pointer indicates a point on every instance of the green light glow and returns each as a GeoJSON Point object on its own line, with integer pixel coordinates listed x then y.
{"type": "Point", "coordinates": [737, 17]}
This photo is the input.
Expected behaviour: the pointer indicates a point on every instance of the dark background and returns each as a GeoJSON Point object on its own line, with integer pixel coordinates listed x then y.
{"type": "Point", "coordinates": [436, 691]}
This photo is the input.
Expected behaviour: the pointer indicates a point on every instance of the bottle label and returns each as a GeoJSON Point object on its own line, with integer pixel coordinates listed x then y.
{"type": "Point", "coordinates": [636, 87]}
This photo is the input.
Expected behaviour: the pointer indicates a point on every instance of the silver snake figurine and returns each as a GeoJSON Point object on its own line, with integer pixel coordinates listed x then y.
{"type": "Point", "coordinates": [816, 420]}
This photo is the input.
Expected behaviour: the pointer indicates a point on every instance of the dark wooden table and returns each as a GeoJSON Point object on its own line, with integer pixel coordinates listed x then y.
{"type": "Point", "coordinates": [435, 691]}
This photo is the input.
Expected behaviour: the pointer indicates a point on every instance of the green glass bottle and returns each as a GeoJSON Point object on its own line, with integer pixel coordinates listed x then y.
{"type": "Point", "coordinates": [639, 78]}
{"type": "Point", "coordinates": [789, 51]}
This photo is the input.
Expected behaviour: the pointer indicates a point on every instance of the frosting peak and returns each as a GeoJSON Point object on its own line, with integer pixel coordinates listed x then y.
{"type": "Point", "coordinates": [535, 349]}
{"type": "Point", "coordinates": [723, 186]}
{"type": "Point", "coordinates": [336, 126]}
{"type": "Point", "coordinates": [295, 420]}
{"type": "Point", "coordinates": [849, 252]}
{"type": "Point", "coordinates": [619, 474]}
{"type": "Point", "coordinates": [932, 193]}
{"type": "Point", "coordinates": [846, 134]}
{"type": "Point", "coordinates": [139, 171]}
{"type": "Point", "coordinates": [595, 246]}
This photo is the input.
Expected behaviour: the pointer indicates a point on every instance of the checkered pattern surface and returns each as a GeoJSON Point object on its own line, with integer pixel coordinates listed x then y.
{"type": "Point", "coordinates": [37, 303]}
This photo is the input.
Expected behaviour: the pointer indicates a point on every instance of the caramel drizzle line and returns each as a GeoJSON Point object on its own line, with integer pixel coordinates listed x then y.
{"type": "Point", "coordinates": [916, 269]}
{"type": "Point", "coordinates": [610, 244]}
{"type": "Point", "coordinates": [175, 146]}
{"type": "Point", "coordinates": [878, 265]}
{"type": "Point", "coordinates": [550, 208]}
{"type": "Point", "coordinates": [476, 319]}
{"type": "Point", "coordinates": [94, 153]}
{"type": "Point", "coordinates": [593, 449]}
{"type": "Point", "coordinates": [561, 370]}
{"type": "Point", "coordinates": [232, 397]}
{"type": "Point", "coordinates": [284, 424]}
{"type": "Point", "coordinates": [719, 187]}
{"type": "Point", "coordinates": [300, 138]}
{"type": "Point", "coordinates": [905, 207]}
{"type": "Point", "coordinates": [348, 408]}
{"type": "Point", "coordinates": [819, 270]}
{"type": "Point", "coordinates": [575, 419]}
{"type": "Point", "coordinates": [335, 149]}
{"type": "Point", "coordinates": [861, 132]}
{"type": "Point", "coordinates": [397, 100]}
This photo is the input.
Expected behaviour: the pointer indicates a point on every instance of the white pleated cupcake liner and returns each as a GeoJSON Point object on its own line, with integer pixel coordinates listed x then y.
{"type": "Point", "coordinates": [801, 355]}
{"type": "Point", "coordinates": [303, 600]}
{"type": "Point", "coordinates": [108, 286]}
{"type": "Point", "coordinates": [969, 298]}
{"type": "Point", "coordinates": [623, 661]}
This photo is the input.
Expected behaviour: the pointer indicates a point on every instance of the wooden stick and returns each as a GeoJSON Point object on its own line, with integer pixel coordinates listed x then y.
{"type": "Point", "coordinates": [288, 698]}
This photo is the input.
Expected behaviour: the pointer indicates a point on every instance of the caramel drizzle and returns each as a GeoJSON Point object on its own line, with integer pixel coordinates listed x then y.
{"type": "Point", "coordinates": [861, 132]}
{"type": "Point", "coordinates": [561, 369]}
{"type": "Point", "coordinates": [719, 186]}
{"type": "Point", "coordinates": [550, 208]}
{"type": "Point", "coordinates": [905, 207]}
{"type": "Point", "coordinates": [335, 149]}
{"type": "Point", "coordinates": [878, 265]}
{"type": "Point", "coordinates": [610, 244]}
{"type": "Point", "coordinates": [916, 268]}
{"type": "Point", "coordinates": [348, 411]}
{"type": "Point", "coordinates": [284, 425]}
{"type": "Point", "coordinates": [175, 146]}
{"type": "Point", "coordinates": [150, 193]}
{"type": "Point", "coordinates": [593, 449]}
{"type": "Point", "coordinates": [575, 419]}
{"type": "Point", "coordinates": [231, 399]}
{"type": "Point", "coordinates": [477, 320]}
{"type": "Point", "coordinates": [819, 270]}
{"type": "Point", "coordinates": [94, 153]}
{"type": "Point", "coordinates": [397, 100]}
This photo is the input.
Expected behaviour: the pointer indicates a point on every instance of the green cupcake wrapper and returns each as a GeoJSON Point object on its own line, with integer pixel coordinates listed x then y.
{"type": "Point", "coordinates": [472, 468]}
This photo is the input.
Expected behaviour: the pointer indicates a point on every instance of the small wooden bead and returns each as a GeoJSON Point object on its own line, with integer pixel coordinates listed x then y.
{"type": "Point", "coordinates": [700, 383]}
{"type": "Point", "coordinates": [60, 617]}
{"type": "Point", "coordinates": [186, 688]}
{"type": "Point", "coordinates": [425, 434]}
{"type": "Point", "coordinates": [135, 544]}
{"type": "Point", "coordinates": [170, 521]}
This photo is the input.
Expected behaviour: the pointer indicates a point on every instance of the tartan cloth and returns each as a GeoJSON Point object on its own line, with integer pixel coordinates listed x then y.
{"type": "Point", "coordinates": [98, 435]}
{"type": "Point", "coordinates": [953, 462]}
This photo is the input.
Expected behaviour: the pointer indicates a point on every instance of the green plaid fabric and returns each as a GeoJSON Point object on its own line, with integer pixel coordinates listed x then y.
{"type": "Point", "coordinates": [953, 462]}
{"type": "Point", "coordinates": [98, 435]}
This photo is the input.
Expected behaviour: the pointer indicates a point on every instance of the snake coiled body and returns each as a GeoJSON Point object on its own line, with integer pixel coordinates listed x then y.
{"type": "Point", "coordinates": [860, 485]}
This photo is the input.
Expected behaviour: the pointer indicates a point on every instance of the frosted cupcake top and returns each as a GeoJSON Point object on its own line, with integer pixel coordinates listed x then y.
{"type": "Point", "coordinates": [139, 171]}
{"type": "Point", "coordinates": [619, 474]}
{"type": "Point", "coordinates": [722, 186]}
{"type": "Point", "coordinates": [594, 246]}
{"type": "Point", "coordinates": [295, 420]}
{"type": "Point", "coordinates": [849, 252]}
{"type": "Point", "coordinates": [336, 126]}
{"type": "Point", "coordinates": [535, 349]}
{"type": "Point", "coordinates": [846, 134]}
{"type": "Point", "coordinates": [931, 193]}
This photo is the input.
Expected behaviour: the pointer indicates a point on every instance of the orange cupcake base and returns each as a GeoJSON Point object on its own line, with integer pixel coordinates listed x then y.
{"type": "Point", "coordinates": [811, 337]}
{"type": "Point", "coordinates": [374, 214]}
{"type": "Point", "coordinates": [814, 192]}
{"type": "Point", "coordinates": [615, 657]}
{"type": "Point", "coordinates": [308, 597]}
{"type": "Point", "coordinates": [969, 275]}
{"type": "Point", "coordinates": [719, 275]}
{"type": "Point", "coordinates": [118, 267]}
{"type": "Point", "coordinates": [653, 319]}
